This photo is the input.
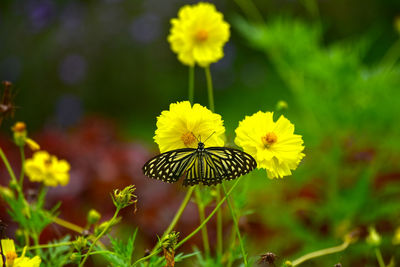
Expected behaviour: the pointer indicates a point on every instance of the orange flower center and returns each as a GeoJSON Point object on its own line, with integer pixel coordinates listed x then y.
{"type": "Point", "coordinates": [10, 257]}
{"type": "Point", "coordinates": [201, 35]}
{"type": "Point", "coordinates": [188, 139]}
{"type": "Point", "coordinates": [269, 139]}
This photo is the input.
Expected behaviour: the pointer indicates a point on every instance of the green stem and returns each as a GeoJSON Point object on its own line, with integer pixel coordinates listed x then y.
{"type": "Point", "coordinates": [320, 253]}
{"type": "Point", "coordinates": [202, 216]}
{"type": "Point", "coordinates": [10, 171]}
{"type": "Point", "coordinates": [191, 84]}
{"type": "Point", "coordinates": [219, 223]}
{"type": "Point", "coordinates": [209, 216]}
{"type": "Point", "coordinates": [15, 182]}
{"type": "Point", "coordinates": [251, 11]}
{"type": "Point", "coordinates": [391, 56]}
{"type": "Point", "coordinates": [210, 92]}
{"type": "Point", "coordinates": [177, 216]}
{"type": "Point", "coordinates": [68, 225]}
{"type": "Point", "coordinates": [379, 257]}
{"type": "Point", "coordinates": [236, 225]}
{"type": "Point", "coordinates": [98, 237]}
{"type": "Point", "coordinates": [146, 257]}
{"type": "Point", "coordinates": [22, 174]}
{"type": "Point", "coordinates": [209, 89]}
{"type": "Point", "coordinates": [47, 246]}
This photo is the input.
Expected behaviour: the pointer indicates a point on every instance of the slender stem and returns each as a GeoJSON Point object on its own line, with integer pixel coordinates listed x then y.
{"type": "Point", "coordinates": [22, 174]}
{"type": "Point", "coordinates": [15, 182]}
{"type": "Point", "coordinates": [236, 225]}
{"type": "Point", "coordinates": [10, 171]}
{"type": "Point", "coordinates": [35, 237]}
{"type": "Point", "coordinates": [177, 216]}
{"type": "Point", "coordinates": [219, 223]}
{"type": "Point", "coordinates": [98, 237]}
{"type": "Point", "coordinates": [391, 56]}
{"type": "Point", "coordinates": [210, 92]}
{"type": "Point", "coordinates": [209, 216]}
{"type": "Point", "coordinates": [47, 246]}
{"type": "Point", "coordinates": [191, 84]}
{"type": "Point", "coordinates": [320, 253]}
{"type": "Point", "coordinates": [68, 225]}
{"type": "Point", "coordinates": [209, 89]}
{"type": "Point", "coordinates": [146, 257]}
{"type": "Point", "coordinates": [379, 257]}
{"type": "Point", "coordinates": [202, 216]}
{"type": "Point", "coordinates": [251, 11]}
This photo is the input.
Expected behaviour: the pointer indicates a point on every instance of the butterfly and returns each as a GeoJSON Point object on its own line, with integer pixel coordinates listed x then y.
{"type": "Point", "coordinates": [209, 166]}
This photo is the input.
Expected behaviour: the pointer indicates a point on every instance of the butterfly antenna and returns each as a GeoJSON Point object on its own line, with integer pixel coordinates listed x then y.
{"type": "Point", "coordinates": [209, 136]}
{"type": "Point", "coordinates": [198, 140]}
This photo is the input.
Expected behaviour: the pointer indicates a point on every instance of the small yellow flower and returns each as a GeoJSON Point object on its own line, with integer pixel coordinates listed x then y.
{"type": "Point", "coordinates": [396, 237]}
{"type": "Point", "coordinates": [43, 167]}
{"type": "Point", "coordinates": [182, 125]}
{"type": "Point", "coordinates": [199, 34]}
{"type": "Point", "coordinates": [12, 259]}
{"type": "Point", "coordinates": [273, 144]}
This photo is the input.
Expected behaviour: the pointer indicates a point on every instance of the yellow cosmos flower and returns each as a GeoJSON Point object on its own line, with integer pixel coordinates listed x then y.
{"type": "Point", "coordinates": [199, 34]}
{"type": "Point", "coordinates": [12, 259]}
{"type": "Point", "coordinates": [43, 167]}
{"type": "Point", "coordinates": [182, 125]}
{"type": "Point", "coordinates": [274, 145]}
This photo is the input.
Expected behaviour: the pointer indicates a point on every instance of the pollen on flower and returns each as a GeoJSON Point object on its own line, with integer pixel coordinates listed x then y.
{"type": "Point", "coordinates": [269, 139]}
{"type": "Point", "coordinates": [188, 139]}
{"type": "Point", "coordinates": [11, 256]}
{"type": "Point", "coordinates": [201, 35]}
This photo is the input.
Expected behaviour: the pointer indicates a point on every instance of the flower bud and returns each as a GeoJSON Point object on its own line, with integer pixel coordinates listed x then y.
{"type": "Point", "coordinates": [288, 263]}
{"type": "Point", "coordinates": [373, 239]}
{"type": "Point", "coordinates": [93, 216]}
{"type": "Point", "coordinates": [170, 241]}
{"type": "Point", "coordinates": [80, 243]}
{"type": "Point", "coordinates": [20, 133]}
{"type": "Point", "coordinates": [281, 105]}
{"type": "Point", "coordinates": [6, 193]}
{"type": "Point", "coordinates": [125, 197]}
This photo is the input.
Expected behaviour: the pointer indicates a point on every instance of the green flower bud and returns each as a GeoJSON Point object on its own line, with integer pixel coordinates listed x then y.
{"type": "Point", "coordinates": [125, 197]}
{"type": "Point", "coordinates": [170, 241]}
{"type": "Point", "coordinates": [373, 239]}
{"type": "Point", "coordinates": [6, 193]}
{"type": "Point", "coordinates": [80, 243]}
{"type": "Point", "coordinates": [93, 216]}
{"type": "Point", "coordinates": [281, 105]}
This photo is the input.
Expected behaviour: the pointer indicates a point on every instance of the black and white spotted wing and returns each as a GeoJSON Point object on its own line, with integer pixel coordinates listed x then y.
{"type": "Point", "coordinates": [209, 166]}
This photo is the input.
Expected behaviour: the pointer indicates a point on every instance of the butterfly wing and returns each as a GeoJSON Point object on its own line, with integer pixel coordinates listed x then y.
{"type": "Point", "coordinates": [170, 166]}
{"type": "Point", "coordinates": [225, 163]}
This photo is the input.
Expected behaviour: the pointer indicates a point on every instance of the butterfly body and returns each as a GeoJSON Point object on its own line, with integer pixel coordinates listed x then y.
{"type": "Point", "coordinates": [209, 166]}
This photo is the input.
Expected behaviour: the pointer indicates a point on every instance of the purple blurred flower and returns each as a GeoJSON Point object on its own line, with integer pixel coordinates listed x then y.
{"type": "Point", "coordinates": [68, 110]}
{"type": "Point", "coordinates": [146, 28]}
{"type": "Point", "coordinates": [40, 13]}
{"type": "Point", "coordinates": [72, 69]}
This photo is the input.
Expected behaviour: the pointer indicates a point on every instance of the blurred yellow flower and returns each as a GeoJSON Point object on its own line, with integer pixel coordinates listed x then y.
{"type": "Point", "coordinates": [274, 145]}
{"type": "Point", "coordinates": [182, 125]}
{"type": "Point", "coordinates": [199, 34]}
{"type": "Point", "coordinates": [43, 167]}
{"type": "Point", "coordinates": [396, 238]}
{"type": "Point", "coordinates": [12, 259]}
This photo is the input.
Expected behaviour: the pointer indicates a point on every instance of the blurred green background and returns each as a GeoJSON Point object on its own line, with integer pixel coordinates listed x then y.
{"type": "Point", "coordinates": [94, 75]}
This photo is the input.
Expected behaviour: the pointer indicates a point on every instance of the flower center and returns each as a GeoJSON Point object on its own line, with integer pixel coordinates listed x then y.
{"type": "Point", "coordinates": [201, 35]}
{"type": "Point", "coordinates": [10, 257]}
{"type": "Point", "coordinates": [188, 138]}
{"type": "Point", "coordinates": [269, 139]}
